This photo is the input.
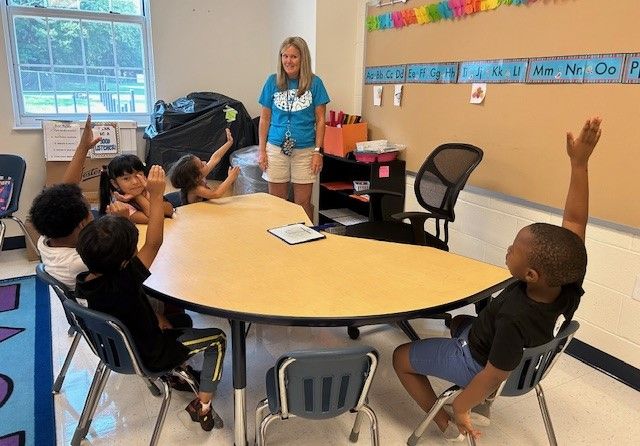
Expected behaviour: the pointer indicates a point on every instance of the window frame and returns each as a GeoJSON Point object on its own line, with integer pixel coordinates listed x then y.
{"type": "Point", "coordinates": [28, 121]}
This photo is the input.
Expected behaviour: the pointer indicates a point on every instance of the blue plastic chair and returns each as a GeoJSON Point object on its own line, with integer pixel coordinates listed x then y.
{"type": "Point", "coordinates": [14, 167]}
{"type": "Point", "coordinates": [535, 365]}
{"type": "Point", "coordinates": [319, 385]}
{"type": "Point", "coordinates": [63, 292]}
{"type": "Point", "coordinates": [111, 341]}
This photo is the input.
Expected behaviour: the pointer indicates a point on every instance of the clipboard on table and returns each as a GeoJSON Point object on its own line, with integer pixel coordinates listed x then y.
{"type": "Point", "coordinates": [296, 233]}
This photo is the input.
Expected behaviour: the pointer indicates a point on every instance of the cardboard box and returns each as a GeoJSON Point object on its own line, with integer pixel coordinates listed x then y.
{"type": "Point", "coordinates": [90, 183]}
{"type": "Point", "coordinates": [32, 254]}
{"type": "Point", "coordinates": [341, 140]}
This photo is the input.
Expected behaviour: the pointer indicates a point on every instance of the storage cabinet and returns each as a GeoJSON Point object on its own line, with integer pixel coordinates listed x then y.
{"type": "Point", "coordinates": [337, 193]}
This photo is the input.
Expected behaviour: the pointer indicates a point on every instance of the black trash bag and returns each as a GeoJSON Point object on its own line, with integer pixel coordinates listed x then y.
{"type": "Point", "coordinates": [195, 125]}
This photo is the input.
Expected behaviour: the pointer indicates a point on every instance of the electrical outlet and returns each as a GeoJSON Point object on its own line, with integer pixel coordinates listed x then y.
{"type": "Point", "coordinates": [636, 289]}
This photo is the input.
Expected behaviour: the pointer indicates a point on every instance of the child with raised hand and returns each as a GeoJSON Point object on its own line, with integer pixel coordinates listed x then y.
{"type": "Point", "coordinates": [59, 213]}
{"type": "Point", "coordinates": [189, 175]}
{"type": "Point", "coordinates": [550, 263]}
{"type": "Point", "coordinates": [113, 285]}
{"type": "Point", "coordinates": [123, 180]}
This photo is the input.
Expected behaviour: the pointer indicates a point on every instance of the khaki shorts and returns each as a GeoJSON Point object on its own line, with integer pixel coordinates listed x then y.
{"type": "Point", "coordinates": [284, 169]}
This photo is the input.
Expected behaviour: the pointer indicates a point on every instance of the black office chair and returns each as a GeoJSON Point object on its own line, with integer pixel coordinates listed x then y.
{"type": "Point", "coordinates": [535, 365]}
{"type": "Point", "coordinates": [438, 183]}
{"type": "Point", "coordinates": [13, 167]}
{"type": "Point", "coordinates": [437, 186]}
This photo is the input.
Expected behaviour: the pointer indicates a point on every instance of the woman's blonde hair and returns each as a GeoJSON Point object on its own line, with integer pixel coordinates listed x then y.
{"type": "Point", "coordinates": [305, 76]}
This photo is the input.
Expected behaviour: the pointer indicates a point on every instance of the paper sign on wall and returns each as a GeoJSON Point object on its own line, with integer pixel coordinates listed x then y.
{"type": "Point", "coordinates": [108, 145]}
{"type": "Point", "coordinates": [478, 92]}
{"type": "Point", "coordinates": [397, 95]}
{"type": "Point", "coordinates": [377, 95]}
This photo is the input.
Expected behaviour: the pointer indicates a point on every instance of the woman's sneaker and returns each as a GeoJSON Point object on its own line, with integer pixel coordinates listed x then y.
{"type": "Point", "coordinates": [208, 420]}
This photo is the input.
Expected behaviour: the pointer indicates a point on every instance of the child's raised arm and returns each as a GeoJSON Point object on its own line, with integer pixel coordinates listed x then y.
{"type": "Point", "coordinates": [219, 191]}
{"type": "Point", "coordinates": [576, 208]}
{"type": "Point", "coordinates": [218, 154]}
{"type": "Point", "coordinates": [73, 174]}
{"type": "Point", "coordinates": [153, 240]}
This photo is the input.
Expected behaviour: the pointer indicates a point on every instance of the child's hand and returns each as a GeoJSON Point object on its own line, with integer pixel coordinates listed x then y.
{"type": "Point", "coordinates": [229, 136]}
{"type": "Point", "coordinates": [118, 209]}
{"type": "Point", "coordinates": [87, 140]}
{"type": "Point", "coordinates": [463, 421]}
{"type": "Point", "coordinates": [125, 198]}
{"type": "Point", "coordinates": [163, 322]}
{"type": "Point", "coordinates": [155, 183]}
{"type": "Point", "coordinates": [233, 173]}
{"type": "Point", "coordinates": [579, 149]}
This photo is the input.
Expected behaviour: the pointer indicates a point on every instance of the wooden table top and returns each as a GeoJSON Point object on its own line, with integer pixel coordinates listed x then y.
{"type": "Point", "coordinates": [218, 258]}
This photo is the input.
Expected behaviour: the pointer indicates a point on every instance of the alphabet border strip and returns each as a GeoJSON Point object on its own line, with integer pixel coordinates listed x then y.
{"type": "Point", "coordinates": [580, 69]}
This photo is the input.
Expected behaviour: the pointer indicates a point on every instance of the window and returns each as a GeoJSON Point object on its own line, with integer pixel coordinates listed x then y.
{"type": "Point", "coordinates": [73, 57]}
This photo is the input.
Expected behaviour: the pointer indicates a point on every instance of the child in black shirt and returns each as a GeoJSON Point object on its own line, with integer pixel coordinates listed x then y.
{"type": "Point", "coordinates": [550, 263]}
{"type": "Point", "coordinates": [113, 285]}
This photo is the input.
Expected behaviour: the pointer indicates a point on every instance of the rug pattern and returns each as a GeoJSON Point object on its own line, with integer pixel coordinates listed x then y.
{"type": "Point", "coordinates": [26, 402]}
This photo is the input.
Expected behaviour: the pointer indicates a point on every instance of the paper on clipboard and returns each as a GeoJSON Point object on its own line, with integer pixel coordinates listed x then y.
{"type": "Point", "coordinates": [296, 233]}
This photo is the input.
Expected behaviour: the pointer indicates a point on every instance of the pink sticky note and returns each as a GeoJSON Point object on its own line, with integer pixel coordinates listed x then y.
{"type": "Point", "coordinates": [383, 172]}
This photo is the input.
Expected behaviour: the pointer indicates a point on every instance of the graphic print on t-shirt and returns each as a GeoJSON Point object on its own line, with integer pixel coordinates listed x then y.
{"type": "Point", "coordinates": [281, 100]}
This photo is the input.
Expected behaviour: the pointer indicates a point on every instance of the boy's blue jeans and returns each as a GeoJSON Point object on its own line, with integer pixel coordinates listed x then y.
{"type": "Point", "coordinates": [446, 358]}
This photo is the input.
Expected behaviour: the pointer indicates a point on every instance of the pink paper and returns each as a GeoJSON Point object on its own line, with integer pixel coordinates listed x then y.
{"type": "Point", "coordinates": [383, 172]}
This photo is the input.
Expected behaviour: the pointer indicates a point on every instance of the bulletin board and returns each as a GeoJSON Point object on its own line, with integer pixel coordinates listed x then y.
{"type": "Point", "coordinates": [521, 127]}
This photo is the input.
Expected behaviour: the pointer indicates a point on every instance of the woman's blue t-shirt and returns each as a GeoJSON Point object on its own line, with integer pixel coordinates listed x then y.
{"type": "Point", "coordinates": [299, 112]}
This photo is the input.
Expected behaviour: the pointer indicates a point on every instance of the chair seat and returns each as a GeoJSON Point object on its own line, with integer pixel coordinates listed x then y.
{"type": "Point", "coordinates": [391, 231]}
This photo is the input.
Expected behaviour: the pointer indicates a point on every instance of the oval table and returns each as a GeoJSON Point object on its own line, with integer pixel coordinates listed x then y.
{"type": "Point", "coordinates": [218, 258]}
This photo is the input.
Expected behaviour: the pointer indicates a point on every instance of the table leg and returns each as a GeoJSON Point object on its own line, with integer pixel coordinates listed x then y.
{"type": "Point", "coordinates": [406, 327]}
{"type": "Point", "coordinates": [239, 362]}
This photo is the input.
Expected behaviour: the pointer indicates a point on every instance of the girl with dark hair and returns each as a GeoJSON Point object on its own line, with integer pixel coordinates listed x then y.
{"type": "Point", "coordinates": [189, 175]}
{"type": "Point", "coordinates": [124, 180]}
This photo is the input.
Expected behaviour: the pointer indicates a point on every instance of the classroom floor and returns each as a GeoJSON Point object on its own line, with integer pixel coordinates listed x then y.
{"type": "Point", "coordinates": [586, 406]}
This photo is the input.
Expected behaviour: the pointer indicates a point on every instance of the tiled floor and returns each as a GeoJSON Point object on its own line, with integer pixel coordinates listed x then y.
{"type": "Point", "coordinates": [587, 407]}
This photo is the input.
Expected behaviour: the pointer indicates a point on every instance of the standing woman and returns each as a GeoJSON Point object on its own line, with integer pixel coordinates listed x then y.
{"type": "Point", "coordinates": [292, 125]}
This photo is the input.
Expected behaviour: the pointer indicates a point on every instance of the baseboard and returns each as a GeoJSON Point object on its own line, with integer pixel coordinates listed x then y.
{"type": "Point", "coordinates": [604, 362]}
{"type": "Point", "coordinates": [16, 242]}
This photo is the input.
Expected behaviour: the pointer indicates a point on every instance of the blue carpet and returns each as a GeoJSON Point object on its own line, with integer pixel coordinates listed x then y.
{"type": "Point", "coordinates": [26, 402]}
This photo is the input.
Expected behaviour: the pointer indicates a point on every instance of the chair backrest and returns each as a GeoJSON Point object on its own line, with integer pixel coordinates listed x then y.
{"type": "Point", "coordinates": [62, 291]}
{"type": "Point", "coordinates": [109, 339]}
{"type": "Point", "coordinates": [443, 175]}
{"type": "Point", "coordinates": [324, 384]}
{"type": "Point", "coordinates": [537, 362]}
{"type": "Point", "coordinates": [14, 167]}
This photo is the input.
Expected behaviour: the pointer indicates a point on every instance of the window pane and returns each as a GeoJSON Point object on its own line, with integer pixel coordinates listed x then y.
{"type": "Point", "coordinates": [97, 78]}
{"type": "Point", "coordinates": [31, 40]}
{"type": "Point", "coordinates": [67, 80]}
{"type": "Point", "coordinates": [128, 45]}
{"type": "Point", "coordinates": [39, 102]}
{"type": "Point", "coordinates": [132, 91]}
{"type": "Point", "coordinates": [66, 46]}
{"type": "Point", "coordinates": [98, 43]}
{"type": "Point", "coordinates": [132, 7]}
{"type": "Point", "coordinates": [37, 3]}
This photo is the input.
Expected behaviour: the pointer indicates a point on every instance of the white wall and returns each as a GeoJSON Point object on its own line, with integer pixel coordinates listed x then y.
{"type": "Point", "coordinates": [227, 46]}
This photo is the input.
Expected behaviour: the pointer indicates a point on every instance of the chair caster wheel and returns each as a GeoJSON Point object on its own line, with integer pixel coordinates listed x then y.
{"type": "Point", "coordinates": [354, 332]}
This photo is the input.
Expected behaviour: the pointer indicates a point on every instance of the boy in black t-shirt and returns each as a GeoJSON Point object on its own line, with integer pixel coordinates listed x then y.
{"type": "Point", "coordinates": [113, 285]}
{"type": "Point", "coordinates": [550, 263]}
